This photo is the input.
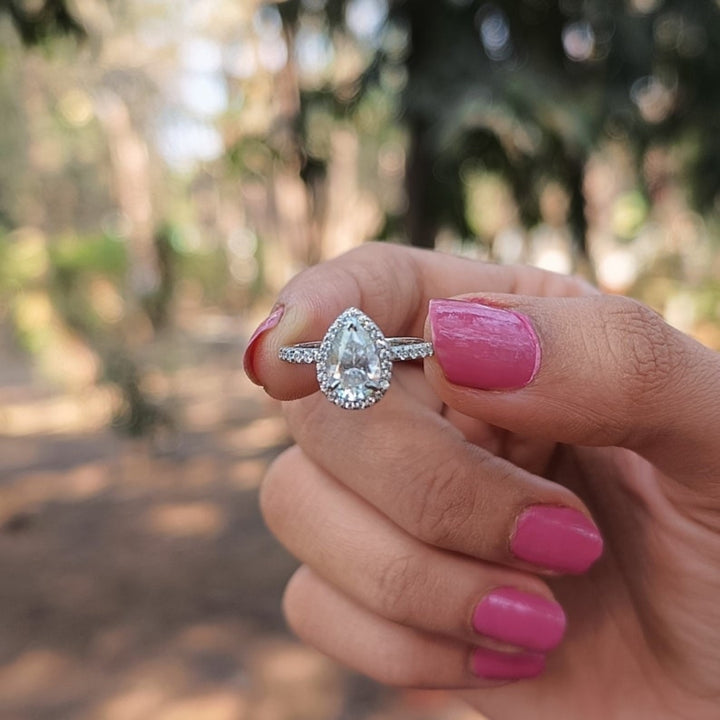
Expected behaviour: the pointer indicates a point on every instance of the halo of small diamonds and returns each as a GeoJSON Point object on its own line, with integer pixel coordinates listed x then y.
{"type": "Point", "coordinates": [380, 346]}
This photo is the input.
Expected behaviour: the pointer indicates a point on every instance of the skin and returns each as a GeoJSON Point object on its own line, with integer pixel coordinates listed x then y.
{"type": "Point", "coordinates": [402, 514]}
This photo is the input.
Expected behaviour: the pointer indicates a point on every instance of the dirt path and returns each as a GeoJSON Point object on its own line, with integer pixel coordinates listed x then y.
{"type": "Point", "coordinates": [138, 581]}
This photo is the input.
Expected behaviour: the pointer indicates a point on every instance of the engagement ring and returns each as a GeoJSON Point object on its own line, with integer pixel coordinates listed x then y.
{"type": "Point", "coordinates": [354, 360]}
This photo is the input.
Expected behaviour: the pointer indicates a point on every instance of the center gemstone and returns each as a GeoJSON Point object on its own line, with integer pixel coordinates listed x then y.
{"type": "Point", "coordinates": [353, 363]}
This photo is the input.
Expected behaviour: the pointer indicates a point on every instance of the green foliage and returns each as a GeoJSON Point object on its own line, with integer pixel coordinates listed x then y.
{"type": "Point", "coordinates": [75, 263]}
{"type": "Point", "coordinates": [251, 157]}
{"type": "Point", "coordinates": [529, 88]}
{"type": "Point", "coordinates": [102, 254]}
{"type": "Point", "coordinates": [37, 25]}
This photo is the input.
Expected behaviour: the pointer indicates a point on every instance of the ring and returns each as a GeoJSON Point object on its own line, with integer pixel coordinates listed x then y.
{"type": "Point", "coordinates": [354, 360]}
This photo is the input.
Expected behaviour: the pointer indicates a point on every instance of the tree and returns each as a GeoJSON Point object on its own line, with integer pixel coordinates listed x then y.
{"type": "Point", "coordinates": [37, 24]}
{"type": "Point", "coordinates": [529, 88]}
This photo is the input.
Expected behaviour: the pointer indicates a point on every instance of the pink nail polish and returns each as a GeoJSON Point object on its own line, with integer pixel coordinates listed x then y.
{"type": "Point", "coordinates": [556, 538]}
{"type": "Point", "coordinates": [483, 347]}
{"type": "Point", "coordinates": [494, 665]}
{"type": "Point", "coordinates": [519, 618]}
{"type": "Point", "coordinates": [268, 324]}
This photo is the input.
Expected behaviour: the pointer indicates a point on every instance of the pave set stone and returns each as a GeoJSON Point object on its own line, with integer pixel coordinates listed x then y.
{"type": "Point", "coordinates": [354, 360]}
{"type": "Point", "coordinates": [299, 355]}
{"type": "Point", "coordinates": [411, 351]}
{"type": "Point", "coordinates": [403, 351]}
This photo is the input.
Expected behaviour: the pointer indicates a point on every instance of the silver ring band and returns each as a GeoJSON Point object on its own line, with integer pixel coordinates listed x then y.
{"type": "Point", "coordinates": [401, 348]}
{"type": "Point", "coordinates": [354, 360]}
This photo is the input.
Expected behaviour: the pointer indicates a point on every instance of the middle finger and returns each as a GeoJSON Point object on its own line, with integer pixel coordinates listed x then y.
{"type": "Point", "coordinates": [367, 557]}
{"type": "Point", "coordinates": [418, 470]}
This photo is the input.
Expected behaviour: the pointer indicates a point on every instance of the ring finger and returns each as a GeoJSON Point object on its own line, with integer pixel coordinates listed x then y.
{"type": "Point", "coordinates": [390, 653]}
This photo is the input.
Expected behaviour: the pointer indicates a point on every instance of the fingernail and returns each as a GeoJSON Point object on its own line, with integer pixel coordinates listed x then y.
{"type": "Point", "coordinates": [556, 538]}
{"type": "Point", "coordinates": [494, 665]}
{"type": "Point", "coordinates": [520, 618]}
{"type": "Point", "coordinates": [268, 324]}
{"type": "Point", "coordinates": [483, 347]}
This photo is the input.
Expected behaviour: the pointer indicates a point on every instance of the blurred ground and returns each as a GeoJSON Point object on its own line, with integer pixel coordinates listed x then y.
{"type": "Point", "coordinates": [138, 580]}
{"type": "Point", "coordinates": [166, 172]}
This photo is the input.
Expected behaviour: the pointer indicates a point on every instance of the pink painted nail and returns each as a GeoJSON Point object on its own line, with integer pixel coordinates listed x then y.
{"type": "Point", "coordinates": [483, 347]}
{"type": "Point", "coordinates": [519, 618]}
{"type": "Point", "coordinates": [495, 665]}
{"type": "Point", "coordinates": [556, 538]}
{"type": "Point", "coordinates": [268, 324]}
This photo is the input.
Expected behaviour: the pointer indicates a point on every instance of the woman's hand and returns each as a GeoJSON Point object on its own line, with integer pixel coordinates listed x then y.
{"type": "Point", "coordinates": [451, 535]}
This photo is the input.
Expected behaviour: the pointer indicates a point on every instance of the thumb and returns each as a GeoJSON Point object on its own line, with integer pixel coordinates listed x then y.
{"type": "Point", "coordinates": [594, 370]}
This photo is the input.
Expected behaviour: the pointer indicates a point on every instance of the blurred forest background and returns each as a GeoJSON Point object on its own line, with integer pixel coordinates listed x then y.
{"type": "Point", "coordinates": [165, 166]}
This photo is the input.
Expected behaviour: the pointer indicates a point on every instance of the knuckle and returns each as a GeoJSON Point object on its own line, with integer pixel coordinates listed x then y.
{"type": "Point", "coordinates": [400, 585]}
{"type": "Point", "coordinates": [643, 348]}
{"type": "Point", "coordinates": [444, 502]}
{"type": "Point", "coordinates": [381, 270]}
{"type": "Point", "coordinates": [358, 268]}
{"type": "Point", "coordinates": [371, 283]}
{"type": "Point", "coordinates": [370, 251]}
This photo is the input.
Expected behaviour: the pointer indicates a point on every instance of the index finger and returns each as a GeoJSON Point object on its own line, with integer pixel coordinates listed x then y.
{"type": "Point", "coordinates": [390, 283]}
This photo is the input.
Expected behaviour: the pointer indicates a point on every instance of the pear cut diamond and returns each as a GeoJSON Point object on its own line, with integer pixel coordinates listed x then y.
{"type": "Point", "coordinates": [354, 365]}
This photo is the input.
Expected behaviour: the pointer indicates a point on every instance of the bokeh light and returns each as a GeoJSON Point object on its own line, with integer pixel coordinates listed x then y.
{"type": "Point", "coordinates": [166, 168]}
